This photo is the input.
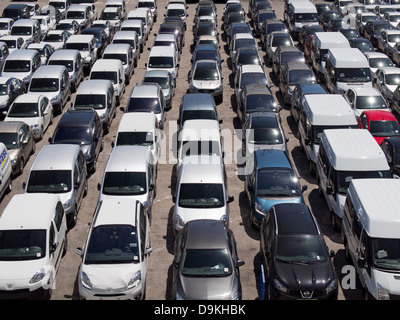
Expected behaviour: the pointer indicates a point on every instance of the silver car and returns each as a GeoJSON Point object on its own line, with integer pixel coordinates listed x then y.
{"type": "Point", "coordinates": [206, 263]}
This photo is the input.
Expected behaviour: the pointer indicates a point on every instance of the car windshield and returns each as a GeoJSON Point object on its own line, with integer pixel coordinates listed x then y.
{"type": "Point", "coordinates": [23, 110]}
{"type": "Point", "coordinates": [104, 75]}
{"type": "Point", "coordinates": [383, 26]}
{"type": "Point", "coordinates": [53, 38]}
{"type": "Point", "coordinates": [291, 56]}
{"type": "Point", "coordinates": [14, 14]}
{"type": "Point", "coordinates": [135, 138]}
{"type": "Point", "coordinates": [144, 105]}
{"type": "Point", "coordinates": [72, 135]}
{"type": "Point", "coordinates": [17, 245]}
{"type": "Point", "coordinates": [164, 43]}
{"type": "Point", "coordinates": [371, 102]}
{"type": "Point", "coordinates": [384, 128]}
{"type": "Point", "coordinates": [131, 42]}
{"type": "Point", "coordinates": [44, 85]}
{"type": "Point", "coordinates": [394, 18]}
{"type": "Point", "coordinates": [275, 27]}
{"type": "Point", "coordinates": [21, 31]}
{"type": "Point", "coordinates": [110, 16]}
{"type": "Point", "coordinates": [161, 62]}
{"type": "Point", "coordinates": [364, 46]}
{"type": "Point", "coordinates": [350, 34]}
{"type": "Point", "coordinates": [253, 78]}
{"type": "Point", "coordinates": [300, 249]}
{"type": "Point", "coordinates": [301, 76]}
{"type": "Point", "coordinates": [353, 74]}
{"type": "Point", "coordinates": [3, 26]}
{"type": "Point", "coordinates": [265, 16]}
{"type": "Point", "coordinates": [68, 64]}
{"type": "Point", "coordinates": [122, 57]}
{"type": "Point", "coordinates": [145, 4]}
{"type": "Point", "coordinates": [77, 46]}
{"type": "Point", "coordinates": [3, 90]}
{"type": "Point", "coordinates": [206, 263]}
{"type": "Point", "coordinates": [124, 183]}
{"type": "Point", "coordinates": [248, 58]}
{"type": "Point", "coordinates": [393, 38]}
{"type": "Point", "coordinates": [200, 148]}
{"type": "Point", "coordinates": [11, 44]}
{"type": "Point", "coordinates": [344, 178]}
{"type": "Point", "coordinates": [385, 253]}
{"type": "Point", "coordinates": [392, 79]}
{"type": "Point", "coordinates": [198, 114]}
{"type": "Point", "coordinates": [244, 43]}
{"type": "Point", "coordinates": [17, 66]}
{"type": "Point", "coordinates": [95, 101]}
{"type": "Point", "coordinates": [113, 244]}
{"type": "Point", "coordinates": [162, 81]}
{"type": "Point", "coordinates": [10, 140]}
{"type": "Point", "coordinates": [281, 41]}
{"type": "Point", "coordinates": [175, 13]}
{"type": "Point", "coordinates": [260, 103]}
{"type": "Point", "coordinates": [75, 14]}
{"type": "Point", "coordinates": [206, 55]}
{"type": "Point", "coordinates": [366, 18]}
{"type": "Point", "coordinates": [318, 130]}
{"type": "Point", "coordinates": [201, 195]}
{"type": "Point", "coordinates": [277, 182]}
{"type": "Point", "coordinates": [205, 74]}
{"type": "Point", "coordinates": [206, 31]}
{"type": "Point", "coordinates": [380, 62]}
{"type": "Point", "coordinates": [57, 4]}
{"type": "Point", "coordinates": [49, 181]}
{"type": "Point", "coordinates": [306, 17]}
{"type": "Point", "coordinates": [64, 26]}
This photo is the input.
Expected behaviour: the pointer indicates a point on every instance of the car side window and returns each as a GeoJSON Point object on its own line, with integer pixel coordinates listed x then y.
{"type": "Point", "coordinates": [51, 235]}
{"type": "Point", "coordinates": [142, 233]}
{"type": "Point", "coordinates": [58, 216]}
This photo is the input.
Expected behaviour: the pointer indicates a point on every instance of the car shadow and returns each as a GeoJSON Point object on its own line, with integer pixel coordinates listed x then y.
{"type": "Point", "coordinates": [244, 208]}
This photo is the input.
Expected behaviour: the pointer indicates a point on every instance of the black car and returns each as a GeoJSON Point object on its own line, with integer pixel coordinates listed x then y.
{"type": "Point", "coordinates": [84, 128]}
{"type": "Point", "coordinates": [100, 39]}
{"type": "Point", "coordinates": [270, 26]}
{"type": "Point", "coordinates": [373, 29]}
{"type": "Point", "coordinates": [204, 28]}
{"type": "Point", "coordinates": [327, 16]}
{"type": "Point", "coordinates": [364, 45]}
{"type": "Point", "coordinates": [262, 16]}
{"type": "Point", "coordinates": [334, 25]}
{"type": "Point", "coordinates": [308, 30]}
{"type": "Point", "coordinates": [174, 29]}
{"type": "Point", "coordinates": [10, 88]}
{"type": "Point", "coordinates": [294, 255]}
{"type": "Point", "coordinates": [16, 11]}
{"type": "Point", "coordinates": [235, 28]}
{"type": "Point", "coordinates": [350, 33]}
{"type": "Point", "coordinates": [234, 17]}
{"type": "Point", "coordinates": [391, 147]}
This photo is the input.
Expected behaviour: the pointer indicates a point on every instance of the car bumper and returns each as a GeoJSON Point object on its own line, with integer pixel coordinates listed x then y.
{"type": "Point", "coordinates": [128, 294]}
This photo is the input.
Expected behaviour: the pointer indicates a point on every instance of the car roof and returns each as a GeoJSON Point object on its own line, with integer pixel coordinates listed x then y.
{"type": "Point", "coordinates": [24, 22]}
{"type": "Point", "coordinates": [10, 126]}
{"type": "Point", "coordinates": [56, 157]}
{"type": "Point", "coordinates": [146, 90]}
{"type": "Point", "coordinates": [195, 101]}
{"type": "Point", "coordinates": [18, 213]}
{"type": "Point", "coordinates": [257, 89]}
{"type": "Point", "coordinates": [128, 158]}
{"type": "Point", "coordinates": [200, 129]}
{"type": "Point", "coordinates": [263, 119]}
{"type": "Point", "coordinates": [28, 97]}
{"type": "Point", "coordinates": [311, 88]}
{"type": "Point", "coordinates": [64, 54]}
{"type": "Point", "coordinates": [272, 158]}
{"type": "Point", "coordinates": [117, 48]}
{"type": "Point", "coordinates": [49, 71]}
{"type": "Point", "coordinates": [205, 234]}
{"type": "Point", "coordinates": [194, 168]}
{"type": "Point", "coordinates": [93, 86]}
{"type": "Point", "coordinates": [22, 54]}
{"type": "Point", "coordinates": [377, 115]}
{"type": "Point", "coordinates": [296, 65]}
{"type": "Point", "coordinates": [137, 121]}
{"type": "Point", "coordinates": [157, 73]}
{"type": "Point", "coordinates": [366, 91]}
{"type": "Point", "coordinates": [161, 51]}
{"type": "Point", "coordinates": [251, 68]}
{"type": "Point", "coordinates": [392, 70]}
{"type": "Point", "coordinates": [375, 54]}
{"type": "Point", "coordinates": [294, 219]}
{"type": "Point", "coordinates": [85, 38]}
{"type": "Point", "coordinates": [123, 211]}
{"type": "Point", "coordinates": [106, 65]}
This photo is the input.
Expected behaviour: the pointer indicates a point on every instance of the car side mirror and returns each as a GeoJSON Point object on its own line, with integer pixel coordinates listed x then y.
{"type": "Point", "coordinates": [151, 187]}
{"type": "Point", "coordinates": [361, 262]}
{"type": "Point", "coordinates": [304, 188]}
{"type": "Point", "coordinates": [239, 263]}
{"type": "Point", "coordinates": [173, 198]}
{"type": "Point", "coordinates": [24, 185]}
{"type": "Point", "coordinates": [49, 139]}
{"type": "Point", "coordinates": [53, 247]}
{"type": "Point", "coordinates": [230, 199]}
{"type": "Point", "coordinates": [79, 251]}
{"type": "Point", "coordinates": [148, 250]}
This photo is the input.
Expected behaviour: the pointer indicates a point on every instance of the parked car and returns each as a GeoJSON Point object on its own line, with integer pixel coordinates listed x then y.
{"type": "Point", "coordinates": [100, 39]}
{"type": "Point", "coordinates": [390, 147]}
{"type": "Point", "coordinates": [373, 29]}
{"type": "Point", "coordinates": [212, 262]}
{"type": "Point", "coordinates": [387, 39]}
{"type": "Point", "coordinates": [362, 99]}
{"type": "Point", "coordinates": [386, 81]}
{"type": "Point", "coordinates": [70, 25]}
{"type": "Point", "coordinates": [277, 39]}
{"type": "Point", "coordinates": [380, 123]}
{"type": "Point", "coordinates": [285, 54]}
{"type": "Point", "coordinates": [45, 50]}
{"type": "Point", "coordinates": [364, 45]}
{"type": "Point", "coordinates": [166, 82]}
{"type": "Point", "coordinates": [10, 89]}
{"type": "Point", "coordinates": [249, 74]}
{"type": "Point", "coordinates": [21, 64]}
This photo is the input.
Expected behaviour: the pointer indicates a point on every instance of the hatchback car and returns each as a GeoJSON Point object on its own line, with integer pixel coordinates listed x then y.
{"type": "Point", "coordinates": [20, 143]}
{"type": "Point", "coordinates": [380, 123]}
{"type": "Point", "coordinates": [10, 89]}
{"type": "Point", "coordinates": [33, 109]}
{"type": "Point", "coordinates": [295, 256]}
{"type": "Point", "coordinates": [206, 77]}
{"type": "Point", "coordinates": [285, 54]}
{"type": "Point", "coordinates": [270, 26]}
{"type": "Point", "coordinates": [56, 38]}
{"type": "Point", "coordinates": [386, 81]}
{"type": "Point", "coordinates": [275, 40]}
{"type": "Point", "coordinates": [364, 45]}
{"type": "Point", "coordinates": [84, 128]}
{"type": "Point", "coordinates": [242, 40]}
{"type": "Point", "coordinates": [204, 28]}
{"type": "Point", "coordinates": [270, 178]}
{"type": "Point", "coordinates": [377, 60]}
{"type": "Point", "coordinates": [116, 252]}
{"type": "Point", "coordinates": [249, 74]}
{"type": "Point", "coordinates": [166, 82]}
{"type": "Point", "coordinates": [245, 56]}
{"type": "Point", "coordinates": [387, 39]}
{"type": "Point", "coordinates": [207, 52]}
{"type": "Point", "coordinates": [206, 263]}
{"type": "Point", "coordinates": [262, 130]}
{"type": "Point", "coordinates": [361, 99]}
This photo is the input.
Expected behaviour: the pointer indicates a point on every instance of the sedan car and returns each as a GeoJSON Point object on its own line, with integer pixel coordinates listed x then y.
{"type": "Point", "coordinates": [262, 130]}
{"type": "Point", "coordinates": [285, 54]}
{"type": "Point", "coordinates": [380, 123]}
{"type": "Point", "coordinates": [84, 128]}
{"type": "Point", "coordinates": [10, 89]}
{"type": "Point", "coordinates": [246, 56]}
{"type": "Point", "coordinates": [364, 45]}
{"type": "Point", "coordinates": [18, 138]}
{"type": "Point", "coordinates": [387, 40]}
{"type": "Point", "coordinates": [206, 77]}
{"type": "Point", "coordinates": [386, 81]}
{"type": "Point", "coordinates": [362, 99]}
{"type": "Point", "coordinates": [207, 52]}
{"type": "Point", "coordinates": [206, 263]}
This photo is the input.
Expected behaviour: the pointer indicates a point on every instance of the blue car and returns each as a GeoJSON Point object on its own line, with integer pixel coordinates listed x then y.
{"type": "Point", "coordinates": [270, 178]}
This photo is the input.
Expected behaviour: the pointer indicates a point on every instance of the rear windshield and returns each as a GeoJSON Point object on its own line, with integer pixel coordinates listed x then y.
{"type": "Point", "coordinates": [49, 181]}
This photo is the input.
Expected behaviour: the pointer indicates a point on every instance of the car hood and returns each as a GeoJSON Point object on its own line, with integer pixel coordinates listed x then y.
{"type": "Point", "coordinates": [206, 84]}
{"type": "Point", "coordinates": [304, 276]}
{"type": "Point", "coordinates": [16, 274]}
{"type": "Point", "coordinates": [388, 280]}
{"type": "Point", "coordinates": [202, 288]}
{"type": "Point", "coordinates": [49, 95]}
{"type": "Point", "coordinates": [110, 276]}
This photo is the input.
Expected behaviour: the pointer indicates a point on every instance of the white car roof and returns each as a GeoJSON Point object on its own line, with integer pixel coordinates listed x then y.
{"type": "Point", "coordinates": [116, 211]}
{"type": "Point", "coordinates": [128, 158]}
{"type": "Point", "coordinates": [137, 121]}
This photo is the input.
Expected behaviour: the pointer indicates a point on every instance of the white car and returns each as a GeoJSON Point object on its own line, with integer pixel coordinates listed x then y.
{"type": "Point", "coordinates": [33, 109]}
{"type": "Point", "coordinates": [249, 74]}
{"type": "Point", "coordinates": [115, 256]}
{"type": "Point", "coordinates": [56, 38]}
{"type": "Point", "coordinates": [377, 60]}
{"type": "Point", "coordinates": [5, 26]}
{"type": "Point", "coordinates": [31, 249]}
{"type": "Point", "coordinates": [386, 81]}
{"type": "Point", "coordinates": [361, 99]}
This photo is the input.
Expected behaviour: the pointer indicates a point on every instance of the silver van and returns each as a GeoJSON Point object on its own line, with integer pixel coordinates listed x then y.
{"type": "Point", "coordinates": [21, 64]}
{"type": "Point", "coordinates": [73, 61]}
{"type": "Point", "coordinates": [98, 95]}
{"type": "Point", "coordinates": [131, 38]}
{"type": "Point", "coordinates": [52, 82]}
{"type": "Point", "coordinates": [60, 169]}
{"type": "Point", "coordinates": [138, 27]}
{"type": "Point", "coordinates": [27, 29]}
{"type": "Point", "coordinates": [85, 43]}
{"type": "Point", "coordinates": [123, 52]}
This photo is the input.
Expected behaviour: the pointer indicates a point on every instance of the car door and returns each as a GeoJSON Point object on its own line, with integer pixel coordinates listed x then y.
{"type": "Point", "coordinates": [65, 87]}
{"type": "Point", "coordinates": [25, 140]}
{"type": "Point", "coordinates": [57, 236]}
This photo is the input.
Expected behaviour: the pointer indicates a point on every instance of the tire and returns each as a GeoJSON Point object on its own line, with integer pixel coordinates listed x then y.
{"type": "Point", "coordinates": [21, 166]}
{"type": "Point", "coordinates": [65, 245]}
{"type": "Point", "coordinates": [73, 219]}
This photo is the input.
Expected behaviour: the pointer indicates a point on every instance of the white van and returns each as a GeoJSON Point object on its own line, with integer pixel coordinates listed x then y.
{"type": "Point", "coordinates": [201, 191]}
{"type": "Point", "coordinates": [138, 129]}
{"type": "Point", "coordinates": [60, 169]}
{"type": "Point", "coordinates": [5, 171]}
{"type": "Point", "coordinates": [300, 13]}
{"type": "Point", "coordinates": [346, 68]}
{"type": "Point", "coordinates": [321, 43]}
{"type": "Point", "coordinates": [137, 26]}
{"type": "Point", "coordinates": [85, 43]}
{"type": "Point", "coordinates": [117, 4]}
{"type": "Point", "coordinates": [33, 237]}
{"type": "Point", "coordinates": [320, 112]}
{"type": "Point", "coordinates": [81, 13]}
{"type": "Point", "coordinates": [144, 15]}
{"type": "Point", "coordinates": [113, 70]}
{"type": "Point", "coordinates": [130, 172]}
{"type": "Point", "coordinates": [163, 58]}
{"type": "Point", "coordinates": [21, 64]}
{"type": "Point", "coordinates": [344, 155]}
{"type": "Point", "coordinates": [371, 235]}
{"type": "Point", "coordinates": [27, 29]}
{"type": "Point", "coordinates": [123, 52]}
{"type": "Point", "coordinates": [131, 38]}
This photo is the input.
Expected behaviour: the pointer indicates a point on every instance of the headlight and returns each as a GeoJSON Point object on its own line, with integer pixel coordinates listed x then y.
{"type": "Point", "coordinates": [67, 204]}
{"type": "Point", "coordinates": [179, 221]}
{"type": "Point", "coordinates": [173, 74]}
{"type": "Point", "coordinates": [259, 208]}
{"type": "Point", "coordinates": [279, 286]}
{"type": "Point", "coordinates": [38, 276]}
{"type": "Point", "coordinates": [332, 286]}
{"type": "Point", "coordinates": [116, 90]}
{"type": "Point", "coordinates": [3, 105]}
{"type": "Point", "coordinates": [86, 281]}
{"type": "Point", "coordinates": [88, 156]}
{"type": "Point", "coordinates": [135, 280]}
{"type": "Point", "coordinates": [103, 116]}
{"type": "Point", "coordinates": [235, 296]}
{"type": "Point", "coordinates": [224, 218]}
{"type": "Point", "coordinates": [383, 294]}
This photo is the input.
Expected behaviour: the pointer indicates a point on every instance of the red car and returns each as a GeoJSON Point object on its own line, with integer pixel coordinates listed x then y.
{"type": "Point", "coordinates": [380, 123]}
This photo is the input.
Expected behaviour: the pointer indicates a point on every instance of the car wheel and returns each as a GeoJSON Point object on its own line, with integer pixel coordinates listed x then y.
{"type": "Point", "coordinates": [9, 187]}
{"type": "Point", "coordinates": [85, 190]}
{"type": "Point", "coordinates": [33, 148]}
{"type": "Point", "coordinates": [334, 224]}
{"type": "Point", "coordinates": [65, 245]}
{"type": "Point", "coordinates": [21, 166]}
{"type": "Point", "coordinates": [74, 218]}
{"type": "Point", "coordinates": [319, 189]}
